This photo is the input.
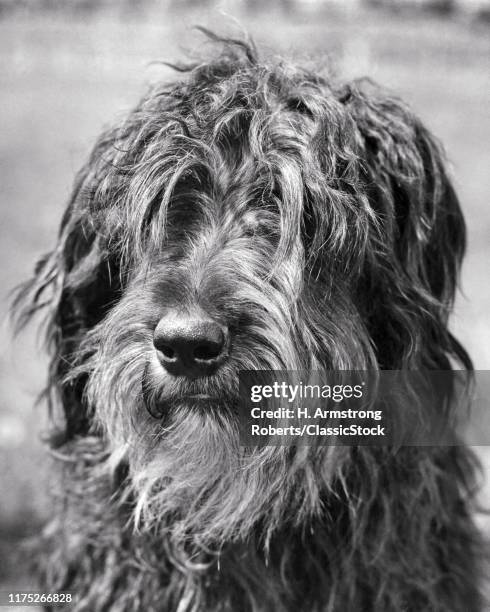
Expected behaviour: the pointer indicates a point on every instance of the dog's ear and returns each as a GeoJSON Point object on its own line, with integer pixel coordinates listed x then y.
{"type": "Point", "coordinates": [419, 242]}
{"type": "Point", "coordinates": [73, 286]}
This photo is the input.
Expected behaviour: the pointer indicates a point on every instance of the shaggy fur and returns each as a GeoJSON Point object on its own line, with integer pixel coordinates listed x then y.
{"type": "Point", "coordinates": [315, 220]}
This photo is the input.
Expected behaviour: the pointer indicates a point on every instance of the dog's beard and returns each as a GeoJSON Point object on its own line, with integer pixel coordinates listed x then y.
{"type": "Point", "coordinates": [198, 482]}
{"type": "Point", "coordinates": [190, 477]}
{"type": "Point", "coordinates": [200, 485]}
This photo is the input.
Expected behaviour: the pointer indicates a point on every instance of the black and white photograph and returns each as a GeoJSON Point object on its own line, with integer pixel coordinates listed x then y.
{"type": "Point", "coordinates": [245, 305]}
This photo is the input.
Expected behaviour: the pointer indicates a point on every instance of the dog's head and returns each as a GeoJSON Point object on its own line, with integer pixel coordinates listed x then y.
{"type": "Point", "coordinates": [248, 216]}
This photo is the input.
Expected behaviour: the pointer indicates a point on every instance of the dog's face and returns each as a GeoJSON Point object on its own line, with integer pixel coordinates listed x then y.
{"type": "Point", "coordinates": [248, 217]}
{"type": "Point", "coordinates": [231, 276]}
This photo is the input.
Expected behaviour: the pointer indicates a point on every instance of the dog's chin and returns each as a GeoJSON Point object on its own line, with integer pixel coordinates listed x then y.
{"type": "Point", "coordinates": [182, 479]}
{"type": "Point", "coordinates": [165, 396]}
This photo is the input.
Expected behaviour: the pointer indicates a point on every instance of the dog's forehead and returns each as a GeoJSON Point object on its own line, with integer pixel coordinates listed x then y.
{"type": "Point", "coordinates": [232, 148]}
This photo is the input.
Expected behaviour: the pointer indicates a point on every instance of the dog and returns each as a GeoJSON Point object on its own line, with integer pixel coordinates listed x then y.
{"type": "Point", "coordinates": [251, 215]}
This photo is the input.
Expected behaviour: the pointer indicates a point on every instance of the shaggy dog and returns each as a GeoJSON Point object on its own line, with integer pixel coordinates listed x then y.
{"type": "Point", "coordinates": [251, 215]}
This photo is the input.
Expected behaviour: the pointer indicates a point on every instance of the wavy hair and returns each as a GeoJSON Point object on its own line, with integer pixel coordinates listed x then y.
{"type": "Point", "coordinates": [314, 216]}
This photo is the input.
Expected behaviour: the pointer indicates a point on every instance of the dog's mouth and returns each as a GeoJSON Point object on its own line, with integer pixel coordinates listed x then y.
{"type": "Point", "coordinates": [184, 395]}
{"type": "Point", "coordinates": [163, 404]}
{"type": "Point", "coordinates": [196, 400]}
{"type": "Point", "coordinates": [199, 397]}
{"type": "Point", "coordinates": [167, 408]}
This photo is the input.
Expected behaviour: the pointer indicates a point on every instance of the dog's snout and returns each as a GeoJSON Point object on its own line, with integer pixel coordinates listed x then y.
{"type": "Point", "coordinates": [190, 345]}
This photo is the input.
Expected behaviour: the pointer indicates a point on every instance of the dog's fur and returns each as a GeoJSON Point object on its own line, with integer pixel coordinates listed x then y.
{"type": "Point", "coordinates": [315, 219]}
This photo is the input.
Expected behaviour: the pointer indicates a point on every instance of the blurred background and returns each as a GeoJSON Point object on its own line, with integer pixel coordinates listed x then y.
{"type": "Point", "coordinates": [69, 67]}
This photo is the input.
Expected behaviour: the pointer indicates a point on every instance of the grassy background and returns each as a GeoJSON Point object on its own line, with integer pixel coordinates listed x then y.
{"type": "Point", "coordinates": [62, 80]}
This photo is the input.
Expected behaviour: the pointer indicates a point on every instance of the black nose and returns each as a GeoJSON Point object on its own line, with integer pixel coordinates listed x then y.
{"type": "Point", "coordinates": [190, 345]}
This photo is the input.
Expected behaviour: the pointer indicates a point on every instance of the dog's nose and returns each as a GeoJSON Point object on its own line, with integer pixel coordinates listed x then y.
{"type": "Point", "coordinates": [190, 345]}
